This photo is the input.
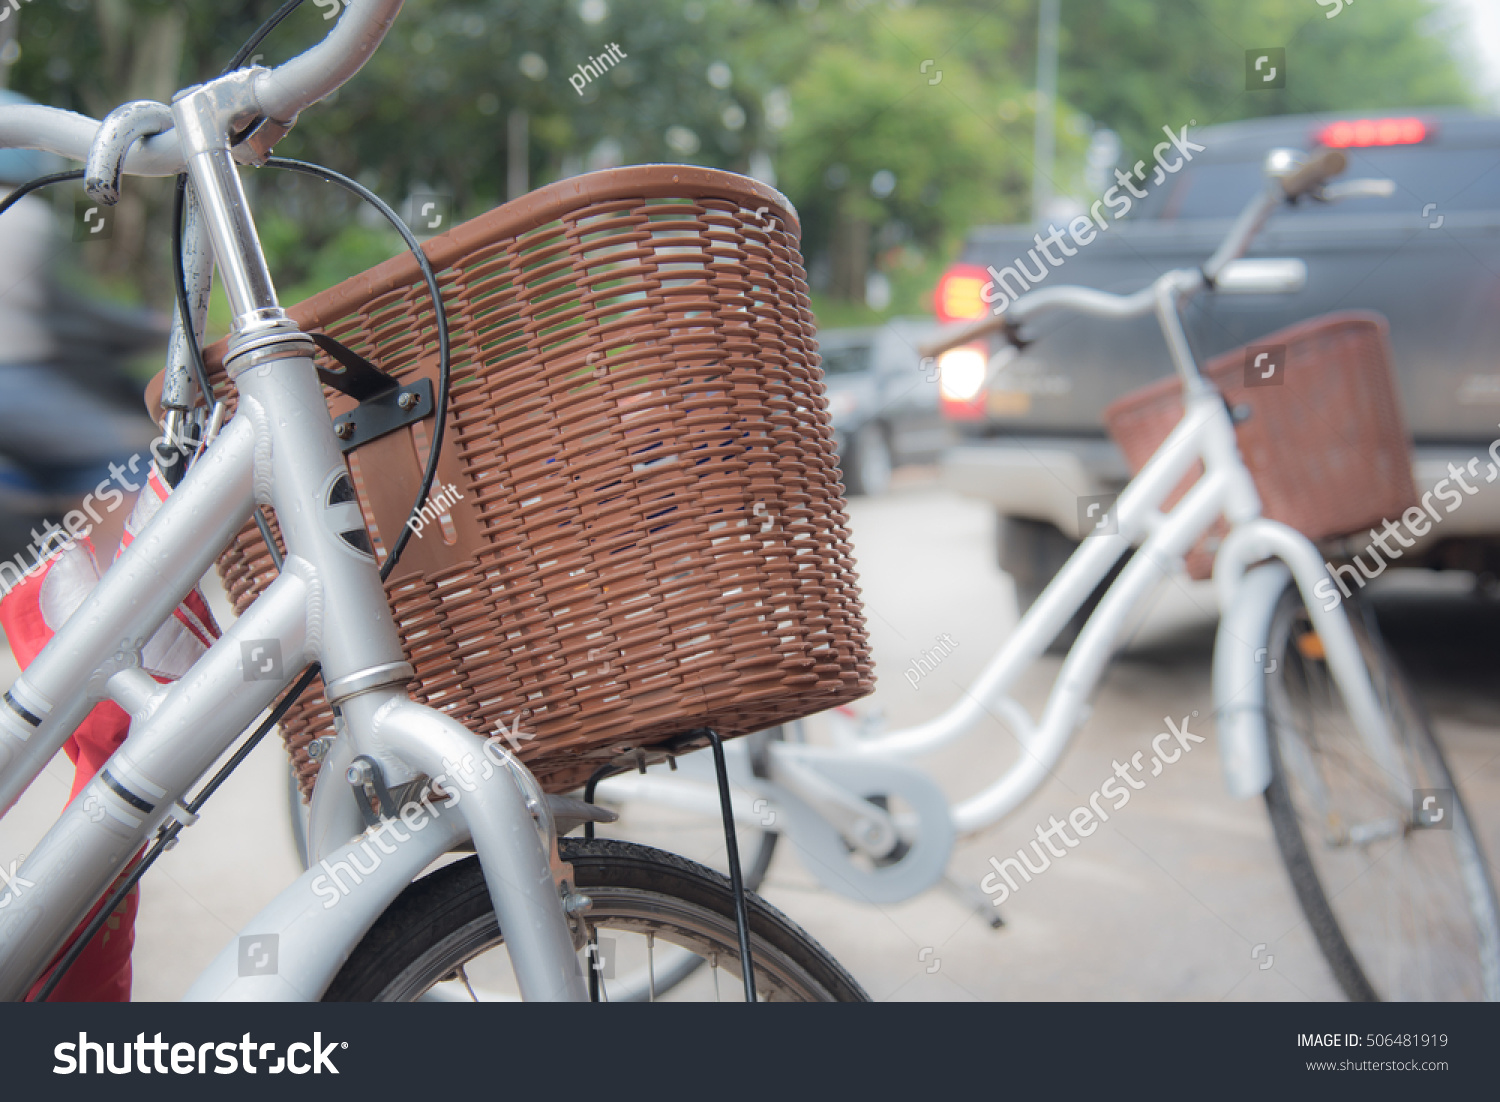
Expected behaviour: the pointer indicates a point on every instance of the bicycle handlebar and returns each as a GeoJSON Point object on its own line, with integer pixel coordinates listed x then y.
{"type": "Point", "coordinates": [1084, 300]}
{"type": "Point", "coordinates": [70, 135]}
{"type": "Point", "coordinates": [280, 94]}
{"type": "Point", "coordinates": [964, 334]}
{"type": "Point", "coordinates": [287, 90]}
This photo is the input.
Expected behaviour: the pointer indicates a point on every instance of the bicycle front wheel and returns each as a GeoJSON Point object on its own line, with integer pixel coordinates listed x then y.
{"type": "Point", "coordinates": [1388, 869]}
{"type": "Point", "coordinates": [440, 939]}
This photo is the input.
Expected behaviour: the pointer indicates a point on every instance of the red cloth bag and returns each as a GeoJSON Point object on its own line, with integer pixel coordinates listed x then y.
{"type": "Point", "coordinates": [30, 615]}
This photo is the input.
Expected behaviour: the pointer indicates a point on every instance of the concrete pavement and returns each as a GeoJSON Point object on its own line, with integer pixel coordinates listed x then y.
{"type": "Point", "coordinates": [1180, 896]}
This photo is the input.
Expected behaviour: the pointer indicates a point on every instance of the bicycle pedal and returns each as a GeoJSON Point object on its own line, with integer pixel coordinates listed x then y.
{"type": "Point", "coordinates": [972, 897]}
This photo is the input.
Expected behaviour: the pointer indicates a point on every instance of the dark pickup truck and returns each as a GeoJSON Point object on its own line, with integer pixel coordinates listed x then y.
{"type": "Point", "coordinates": [1426, 257]}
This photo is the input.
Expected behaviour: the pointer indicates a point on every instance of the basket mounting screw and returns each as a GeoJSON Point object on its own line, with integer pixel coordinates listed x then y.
{"type": "Point", "coordinates": [344, 429]}
{"type": "Point", "coordinates": [407, 400]}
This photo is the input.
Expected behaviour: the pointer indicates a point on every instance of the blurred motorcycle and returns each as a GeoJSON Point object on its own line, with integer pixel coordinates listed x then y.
{"type": "Point", "coordinates": [68, 405]}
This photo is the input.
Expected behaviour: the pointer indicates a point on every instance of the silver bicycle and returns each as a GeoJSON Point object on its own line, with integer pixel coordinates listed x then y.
{"type": "Point", "coordinates": [1312, 712]}
{"type": "Point", "coordinates": [363, 923]}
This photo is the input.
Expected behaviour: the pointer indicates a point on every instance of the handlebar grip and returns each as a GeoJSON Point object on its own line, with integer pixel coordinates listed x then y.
{"type": "Point", "coordinates": [963, 334]}
{"type": "Point", "coordinates": [1319, 169]}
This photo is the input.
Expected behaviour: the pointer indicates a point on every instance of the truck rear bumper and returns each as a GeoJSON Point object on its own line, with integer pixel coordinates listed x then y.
{"type": "Point", "coordinates": [1042, 478]}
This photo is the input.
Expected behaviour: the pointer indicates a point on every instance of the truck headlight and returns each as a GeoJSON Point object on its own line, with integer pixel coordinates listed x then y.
{"type": "Point", "coordinates": [961, 373]}
{"type": "Point", "coordinates": [842, 404]}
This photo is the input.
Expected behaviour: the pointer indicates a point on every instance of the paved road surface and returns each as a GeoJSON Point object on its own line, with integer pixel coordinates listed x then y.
{"type": "Point", "coordinates": [1180, 896]}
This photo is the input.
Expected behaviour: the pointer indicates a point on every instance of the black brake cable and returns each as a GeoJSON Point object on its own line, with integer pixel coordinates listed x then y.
{"type": "Point", "coordinates": [40, 182]}
{"type": "Point", "coordinates": [429, 277]}
{"type": "Point", "coordinates": [167, 835]}
{"type": "Point", "coordinates": [260, 33]}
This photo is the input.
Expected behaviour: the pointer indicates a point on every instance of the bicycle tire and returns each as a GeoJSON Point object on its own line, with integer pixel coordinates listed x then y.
{"type": "Point", "coordinates": [685, 965]}
{"type": "Point", "coordinates": [444, 922]}
{"type": "Point", "coordinates": [1399, 911]}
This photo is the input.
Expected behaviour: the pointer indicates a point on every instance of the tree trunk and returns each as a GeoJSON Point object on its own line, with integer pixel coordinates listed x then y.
{"type": "Point", "coordinates": [851, 257]}
{"type": "Point", "coordinates": [143, 60]}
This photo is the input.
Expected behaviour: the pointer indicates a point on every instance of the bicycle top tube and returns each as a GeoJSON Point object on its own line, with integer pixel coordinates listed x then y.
{"type": "Point", "coordinates": [278, 94]}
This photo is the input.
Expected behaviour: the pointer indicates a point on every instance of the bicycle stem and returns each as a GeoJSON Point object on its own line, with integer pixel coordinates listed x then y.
{"type": "Point", "coordinates": [1250, 222]}
{"type": "Point", "coordinates": [204, 116]}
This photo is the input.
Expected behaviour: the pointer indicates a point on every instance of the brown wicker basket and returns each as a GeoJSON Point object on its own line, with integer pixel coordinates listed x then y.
{"type": "Point", "coordinates": [1327, 444]}
{"type": "Point", "coordinates": [651, 537]}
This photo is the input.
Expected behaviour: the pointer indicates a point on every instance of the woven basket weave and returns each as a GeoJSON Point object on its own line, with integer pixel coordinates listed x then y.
{"type": "Point", "coordinates": [1327, 444]}
{"type": "Point", "coordinates": [651, 537]}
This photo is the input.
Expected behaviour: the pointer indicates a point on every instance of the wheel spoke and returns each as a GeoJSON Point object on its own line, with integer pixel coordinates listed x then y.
{"type": "Point", "coordinates": [1413, 906]}
{"type": "Point", "coordinates": [591, 954]}
{"type": "Point", "coordinates": [1376, 830]}
{"type": "Point", "coordinates": [438, 947]}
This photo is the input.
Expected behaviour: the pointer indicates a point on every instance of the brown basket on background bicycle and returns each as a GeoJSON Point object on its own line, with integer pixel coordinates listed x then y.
{"type": "Point", "coordinates": [1326, 441]}
{"type": "Point", "coordinates": [651, 535]}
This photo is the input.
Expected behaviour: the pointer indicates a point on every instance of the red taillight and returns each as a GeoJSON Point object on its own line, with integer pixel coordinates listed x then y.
{"type": "Point", "coordinates": [972, 410]}
{"type": "Point", "coordinates": [1352, 133]}
{"type": "Point", "coordinates": [959, 295]}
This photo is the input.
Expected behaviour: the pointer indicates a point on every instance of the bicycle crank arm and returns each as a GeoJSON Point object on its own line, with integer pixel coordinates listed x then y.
{"type": "Point", "coordinates": [820, 790]}
{"type": "Point", "coordinates": [818, 797]}
{"type": "Point", "coordinates": [864, 824]}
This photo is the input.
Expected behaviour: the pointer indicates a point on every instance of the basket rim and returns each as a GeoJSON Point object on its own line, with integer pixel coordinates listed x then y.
{"type": "Point", "coordinates": [511, 219]}
{"type": "Point", "coordinates": [535, 209]}
{"type": "Point", "coordinates": [1287, 334]}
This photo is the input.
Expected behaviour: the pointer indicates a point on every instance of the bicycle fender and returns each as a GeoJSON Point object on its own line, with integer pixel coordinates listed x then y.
{"type": "Point", "coordinates": [292, 950]}
{"type": "Point", "coordinates": [1241, 651]}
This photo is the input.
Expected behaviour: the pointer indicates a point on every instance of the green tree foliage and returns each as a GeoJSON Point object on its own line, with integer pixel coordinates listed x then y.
{"type": "Point", "coordinates": [1138, 65]}
{"type": "Point", "coordinates": [896, 138]}
{"type": "Point", "coordinates": [888, 162]}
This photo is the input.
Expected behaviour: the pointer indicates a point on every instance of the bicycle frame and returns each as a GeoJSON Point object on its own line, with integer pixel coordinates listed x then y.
{"type": "Point", "coordinates": [1246, 592]}
{"type": "Point", "coordinates": [1226, 488]}
{"type": "Point", "coordinates": [327, 606]}
{"type": "Point", "coordinates": [1206, 434]}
